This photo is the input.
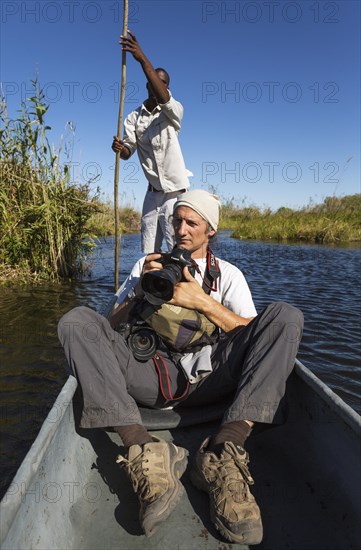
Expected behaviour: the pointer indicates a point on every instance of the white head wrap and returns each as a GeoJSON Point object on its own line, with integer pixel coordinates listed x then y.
{"type": "Point", "coordinates": [204, 203]}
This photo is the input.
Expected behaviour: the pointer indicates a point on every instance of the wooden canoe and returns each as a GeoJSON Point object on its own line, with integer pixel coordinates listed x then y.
{"type": "Point", "coordinates": [70, 494]}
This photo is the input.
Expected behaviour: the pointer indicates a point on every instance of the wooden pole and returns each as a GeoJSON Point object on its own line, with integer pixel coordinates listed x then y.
{"type": "Point", "coordinates": [117, 156]}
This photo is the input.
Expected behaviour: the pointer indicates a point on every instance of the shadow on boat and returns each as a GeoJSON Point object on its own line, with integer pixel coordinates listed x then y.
{"type": "Point", "coordinates": [70, 493]}
{"type": "Point", "coordinates": [303, 501]}
{"type": "Point", "coordinates": [107, 446]}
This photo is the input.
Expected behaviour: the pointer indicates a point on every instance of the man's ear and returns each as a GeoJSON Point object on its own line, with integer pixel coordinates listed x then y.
{"type": "Point", "coordinates": [211, 232]}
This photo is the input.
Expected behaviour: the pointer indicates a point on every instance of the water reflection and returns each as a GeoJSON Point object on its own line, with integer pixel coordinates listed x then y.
{"type": "Point", "coordinates": [322, 281]}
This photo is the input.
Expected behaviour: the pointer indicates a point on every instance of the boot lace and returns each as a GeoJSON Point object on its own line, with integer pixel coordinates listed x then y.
{"type": "Point", "coordinates": [147, 473]}
{"type": "Point", "coordinates": [229, 478]}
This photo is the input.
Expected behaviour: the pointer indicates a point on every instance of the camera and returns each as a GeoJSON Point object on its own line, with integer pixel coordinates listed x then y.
{"type": "Point", "coordinates": [159, 285]}
{"type": "Point", "coordinates": [142, 341]}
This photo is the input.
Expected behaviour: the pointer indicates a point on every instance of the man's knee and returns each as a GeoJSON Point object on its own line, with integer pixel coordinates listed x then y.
{"type": "Point", "coordinates": [286, 320]}
{"type": "Point", "coordinates": [285, 313]}
{"type": "Point", "coordinates": [74, 318]}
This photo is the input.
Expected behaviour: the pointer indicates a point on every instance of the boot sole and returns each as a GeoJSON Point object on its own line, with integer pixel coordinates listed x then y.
{"type": "Point", "coordinates": [250, 536]}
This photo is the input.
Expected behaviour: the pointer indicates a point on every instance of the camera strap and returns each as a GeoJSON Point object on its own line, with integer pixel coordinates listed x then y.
{"type": "Point", "coordinates": [164, 380]}
{"type": "Point", "coordinates": [211, 274]}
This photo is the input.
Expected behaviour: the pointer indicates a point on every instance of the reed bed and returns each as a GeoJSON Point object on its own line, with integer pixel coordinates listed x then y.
{"type": "Point", "coordinates": [48, 223]}
{"type": "Point", "coordinates": [336, 220]}
{"type": "Point", "coordinates": [43, 215]}
{"type": "Point", "coordinates": [101, 223]}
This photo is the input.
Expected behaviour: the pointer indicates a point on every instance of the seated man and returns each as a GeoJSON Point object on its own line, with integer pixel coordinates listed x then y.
{"type": "Point", "coordinates": [249, 361]}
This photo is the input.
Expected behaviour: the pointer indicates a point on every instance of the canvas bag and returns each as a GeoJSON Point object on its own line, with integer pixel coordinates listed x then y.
{"type": "Point", "coordinates": [184, 330]}
{"type": "Point", "coordinates": [181, 329]}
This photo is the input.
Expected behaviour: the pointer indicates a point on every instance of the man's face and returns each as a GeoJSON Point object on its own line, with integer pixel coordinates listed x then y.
{"type": "Point", "coordinates": [191, 231]}
{"type": "Point", "coordinates": [162, 75]}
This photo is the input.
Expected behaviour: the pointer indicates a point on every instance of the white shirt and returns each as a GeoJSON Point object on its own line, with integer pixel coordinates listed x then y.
{"type": "Point", "coordinates": [155, 135]}
{"type": "Point", "coordinates": [232, 288]}
{"type": "Point", "coordinates": [232, 291]}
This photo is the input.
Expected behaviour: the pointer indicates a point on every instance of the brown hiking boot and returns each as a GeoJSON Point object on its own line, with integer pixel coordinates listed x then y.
{"type": "Point", "coordinates": [233, 508]}
{"type": "Point", "coordinates": [155, 470]}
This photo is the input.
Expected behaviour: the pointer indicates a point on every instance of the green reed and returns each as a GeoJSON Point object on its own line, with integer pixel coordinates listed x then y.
{"type": "Point", "coordinates": [101, 222]}
{"type": "Point", "coordinates": [336, 220]}
{"type": "Point", "coordinates": [43, 215]}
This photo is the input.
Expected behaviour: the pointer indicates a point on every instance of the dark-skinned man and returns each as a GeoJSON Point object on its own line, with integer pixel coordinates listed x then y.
{"type": "Point", "coordinates": [152, 129]}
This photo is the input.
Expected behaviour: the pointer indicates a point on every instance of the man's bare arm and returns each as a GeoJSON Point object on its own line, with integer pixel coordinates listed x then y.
{"type": "Point", "coordinates": [221, 316]}
{"type": "Point", "coordinates": [191, 295]}
{"type": "Point", "coordinates": [159, 89]}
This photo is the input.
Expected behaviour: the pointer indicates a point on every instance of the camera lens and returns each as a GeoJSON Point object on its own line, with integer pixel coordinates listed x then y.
{"type": "Point", "coordinates": [161, 283]}
{"type": "Point", "coordinates": [162, 287]}
{"type": "Point", "coordinates": [143, 343]}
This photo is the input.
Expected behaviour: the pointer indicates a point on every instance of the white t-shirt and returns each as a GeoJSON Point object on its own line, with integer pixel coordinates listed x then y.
{"type": "Point", "coordinates": [232, 291]}
{"type": "Point", "coordinates": [232, 288]}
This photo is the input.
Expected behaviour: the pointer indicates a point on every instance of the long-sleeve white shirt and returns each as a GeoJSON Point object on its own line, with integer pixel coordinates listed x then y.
{"type": "Point", "coordinates": [155, 136]}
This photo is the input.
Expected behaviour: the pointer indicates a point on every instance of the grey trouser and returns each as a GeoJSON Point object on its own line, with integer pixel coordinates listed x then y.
{"type": "Point", "coordinates": [252, 364]}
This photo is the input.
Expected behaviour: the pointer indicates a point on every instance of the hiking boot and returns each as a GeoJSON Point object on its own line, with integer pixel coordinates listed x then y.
{"type": "Point", "coordinates": [233, 508]}
{"type": "Point", "coordinates": [154, 470]}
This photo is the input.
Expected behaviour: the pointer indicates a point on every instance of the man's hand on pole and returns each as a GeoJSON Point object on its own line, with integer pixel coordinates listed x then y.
{"type": "Point", "coordinates": [130, 44]}
{"type": "Point", "coordinates": [119, 147]}
{"type": "Point", "coordinates": [157, 88]}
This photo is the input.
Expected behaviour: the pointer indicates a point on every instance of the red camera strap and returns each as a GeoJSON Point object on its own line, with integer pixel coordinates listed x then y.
{"type": "Point", "coordinates": [164, 380]}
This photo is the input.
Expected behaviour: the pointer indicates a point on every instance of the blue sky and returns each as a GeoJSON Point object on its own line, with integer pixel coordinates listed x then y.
{"type": "Point", "coordinates": [271, 89]}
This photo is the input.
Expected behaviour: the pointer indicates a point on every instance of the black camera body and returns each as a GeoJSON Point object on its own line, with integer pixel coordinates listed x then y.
{"type": "Point", "coordinates": [159, 285]}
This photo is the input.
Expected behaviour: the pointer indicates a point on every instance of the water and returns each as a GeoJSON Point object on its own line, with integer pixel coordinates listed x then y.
{"type": "Point", "coordinates": [322, 281]}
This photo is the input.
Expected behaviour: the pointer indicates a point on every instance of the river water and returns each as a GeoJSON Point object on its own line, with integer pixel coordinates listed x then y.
{"type": "Point", "coordinates": [322, 281]}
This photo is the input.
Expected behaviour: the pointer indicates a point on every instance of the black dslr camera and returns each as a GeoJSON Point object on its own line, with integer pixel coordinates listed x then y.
{"type": "Point", "coordinates": [159, 285]}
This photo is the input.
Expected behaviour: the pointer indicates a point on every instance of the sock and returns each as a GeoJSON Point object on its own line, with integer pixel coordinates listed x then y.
{"type": "Point", "coordinates": [235, 432]}
{"type": "Point", "coordinates": [134, 434]}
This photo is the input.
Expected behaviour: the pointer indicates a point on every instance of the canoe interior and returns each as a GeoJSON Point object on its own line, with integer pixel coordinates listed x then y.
{"type": "Point", "coordinates": [69, 493]}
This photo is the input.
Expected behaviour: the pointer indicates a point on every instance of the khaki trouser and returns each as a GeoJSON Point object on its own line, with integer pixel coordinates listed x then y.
{"type": "Point", "coordinates": [156, 221]}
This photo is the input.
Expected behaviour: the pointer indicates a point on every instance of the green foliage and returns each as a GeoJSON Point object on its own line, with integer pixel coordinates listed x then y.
{"type": "Point", "coordinates": [336, 220]}
{"type": "Point", "coordinates": [43, 215]}
{"type": "Point", "coordinates": [101, 223]}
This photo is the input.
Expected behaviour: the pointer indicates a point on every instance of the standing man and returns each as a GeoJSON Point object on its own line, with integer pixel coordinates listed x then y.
{"type": "Point", "coordinates": [153, 130]}
{"type": "Point", "coordinates": [249, 362]}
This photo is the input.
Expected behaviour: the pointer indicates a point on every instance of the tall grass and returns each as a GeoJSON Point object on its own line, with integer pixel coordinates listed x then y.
{"type": "Point", "coordinates": [43, 215]}
{"type": "Point", "coordinates": [101, 223]}
{"type": "Point", "coordinates": [336, 220]}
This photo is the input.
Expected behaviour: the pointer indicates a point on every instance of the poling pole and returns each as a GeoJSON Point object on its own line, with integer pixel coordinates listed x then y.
{"type": "Point", "coordinates": [117, 156]}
